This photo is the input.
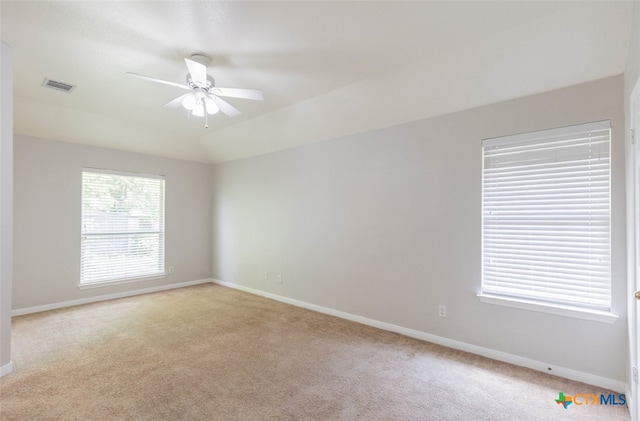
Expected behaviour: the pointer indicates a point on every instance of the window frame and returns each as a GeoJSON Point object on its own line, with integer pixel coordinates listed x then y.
{"type": "Point", "coordinates": [161, 232]}
{"type": "Point", "coordinates": [536, 303]}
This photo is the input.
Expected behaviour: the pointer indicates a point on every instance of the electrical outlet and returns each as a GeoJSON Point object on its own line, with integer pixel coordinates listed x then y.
{"type": "Point", "coordinates": [266, 276]}
{"type": "Point", "coordinates": [279, 278]}
{"type": "Point", "coordinates": [442, 310]}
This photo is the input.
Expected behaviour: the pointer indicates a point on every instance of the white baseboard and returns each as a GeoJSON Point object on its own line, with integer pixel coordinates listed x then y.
{"type": "Point", "coordinates": [566, 373]}
{"type": "Point", "coordinates": [6, 369]}
{"type": "Point", "coordinates": [88, 300]}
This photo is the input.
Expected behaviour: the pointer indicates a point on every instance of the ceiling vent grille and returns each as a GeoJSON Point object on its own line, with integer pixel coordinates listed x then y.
{"type": "Point", "coordinates": [58, 86]}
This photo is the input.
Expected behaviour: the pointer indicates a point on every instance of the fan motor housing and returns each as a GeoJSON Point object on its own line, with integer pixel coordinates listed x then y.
{"type": "Point", "coordinates": [210, 82]}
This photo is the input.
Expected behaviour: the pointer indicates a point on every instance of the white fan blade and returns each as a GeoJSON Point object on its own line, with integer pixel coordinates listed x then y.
{"type": "Point", "coordinates": [224, 106]}
{"type": "Point", "coordinates": [198, 72]}
{"type": "Point", "coordinates": [255, 94]}
{"type": "Point", "coordinates": [166, 82]}
{"type": "Point", "coordinates": [176, 102]}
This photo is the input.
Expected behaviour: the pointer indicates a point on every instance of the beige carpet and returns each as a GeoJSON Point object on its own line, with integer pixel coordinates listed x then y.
{"type": "Point", "coordinates": [213, 353]}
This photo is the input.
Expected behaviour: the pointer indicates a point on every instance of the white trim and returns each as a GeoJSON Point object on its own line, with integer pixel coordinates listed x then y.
{"type": "Point", "coordinates": [123, 173]}
{"type": "Point", "coordinates": [633, 244]}
{"type": "Point", "coordinates": [88, 300]}
{"type": "Point", "coordinates": [98, 284]}
{"type": "Point", "coordinates": [585, 314]}
{"type": "Point", "coordinates": [628, 395]}
{"type": "Point", "coordinates": [560, 131]}
{"type": "Point", "coordinates": [566, 373]}
{"type": "Point", "coordinates": [6, 369]}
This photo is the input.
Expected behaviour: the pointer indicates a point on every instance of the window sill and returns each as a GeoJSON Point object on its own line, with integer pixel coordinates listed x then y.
{"type": "Point", "coordinates": [88, 285]}
{"type": "Point", "coordinates": [585, 314]}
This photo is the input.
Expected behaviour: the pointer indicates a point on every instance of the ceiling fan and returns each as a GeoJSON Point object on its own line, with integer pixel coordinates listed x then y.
{"type": "Point", "coordinates": [203, 98]}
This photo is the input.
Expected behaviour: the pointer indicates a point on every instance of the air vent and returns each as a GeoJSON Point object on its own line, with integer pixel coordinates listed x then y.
{"type": "Point", "coordinates": [58, 86]}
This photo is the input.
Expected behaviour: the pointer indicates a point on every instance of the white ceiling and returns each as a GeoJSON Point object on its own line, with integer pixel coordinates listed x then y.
{"type": "Point", "coordinates": [327, 69]}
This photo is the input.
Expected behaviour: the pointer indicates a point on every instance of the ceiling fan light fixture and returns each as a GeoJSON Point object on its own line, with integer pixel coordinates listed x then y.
{"type": "Point", "coordinates": [204, 98]}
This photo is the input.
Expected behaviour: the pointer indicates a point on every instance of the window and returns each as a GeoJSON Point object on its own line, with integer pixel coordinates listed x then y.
{"type": "Point", "coordinates": [122, 226]}
{"type": "Point", "coordinates": [546, 217]}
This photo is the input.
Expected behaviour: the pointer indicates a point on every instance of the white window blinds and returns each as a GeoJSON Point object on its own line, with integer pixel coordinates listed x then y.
{"type": "Point", "coordinates": [122, 226]}
{"type": "Point", "coordinates": [546, 216]}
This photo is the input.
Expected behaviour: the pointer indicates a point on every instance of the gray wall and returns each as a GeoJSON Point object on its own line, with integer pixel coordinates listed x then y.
{"type": "Point", "coordinates": [632, 70]}
{"type": "Point", "coordinates": [47, 218]}
{"type": "Point", "coordinates": [6, 203]}
{"type": "Point", "coordinates": [386, 225]}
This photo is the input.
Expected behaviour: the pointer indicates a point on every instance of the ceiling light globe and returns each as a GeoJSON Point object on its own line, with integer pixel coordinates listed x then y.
{"type": "Point", "coordinates": [189, 102]}
{"type": "Point", "coordinates": [212, 107]}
